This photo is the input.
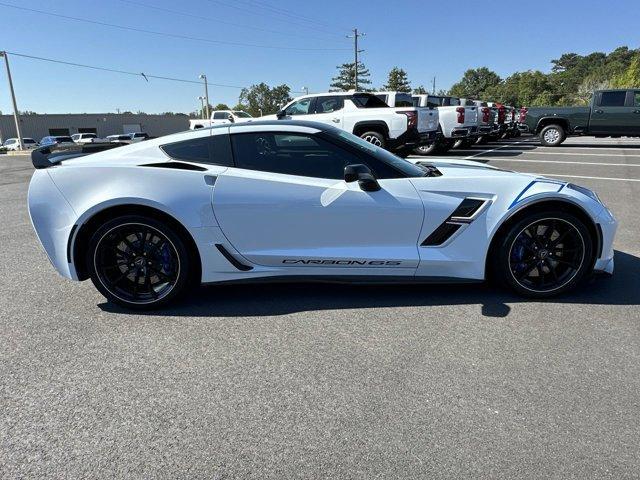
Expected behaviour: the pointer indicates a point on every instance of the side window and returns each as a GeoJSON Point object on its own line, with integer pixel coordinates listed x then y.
{"type": "Point", "coordinates": [213, 150]}
{"type": "Point", "coordinates": [636, 98]}
{"type": "Point", "coordinates": [291, 154]}
{"type": "Point", "coordinates": [301, 107]}
{"type": "Point", "coordinates": [220, 115]}
{"type": "Point", "coordinates": [404, 100]}
{"type": "Point", "coordinates": [613, 99]}
{"type": "Point", "coordinates": [328, 104]}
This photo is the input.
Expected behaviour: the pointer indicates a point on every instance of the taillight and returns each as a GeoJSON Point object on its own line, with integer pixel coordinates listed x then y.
{"type": "Point", "coordinates": [460, 112]}
{"type": "Point", "coordinates": [486, 112]}
{"type": "Point", "coordinates": [501, 114]}
{"type": "Point", "coordinates": [412, 119]}
{"type": "Point", "coordinates": [523, 115]}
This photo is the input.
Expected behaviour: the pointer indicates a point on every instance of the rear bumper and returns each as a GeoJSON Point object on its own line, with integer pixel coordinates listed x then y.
{"type": "Point", "coordinates": [485, 129]}
{"type": "Point", "coordinates": [411, 139]}
{"type": "Point", "coordinates": [460, 132]}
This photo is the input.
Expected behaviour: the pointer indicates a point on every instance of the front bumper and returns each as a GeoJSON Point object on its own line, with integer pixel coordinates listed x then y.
{"type": "Point", "coordinates": [607, 227]}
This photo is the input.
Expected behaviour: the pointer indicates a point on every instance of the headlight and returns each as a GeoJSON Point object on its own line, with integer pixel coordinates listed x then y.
{"type": "Point", "coordinates": [585, 191]}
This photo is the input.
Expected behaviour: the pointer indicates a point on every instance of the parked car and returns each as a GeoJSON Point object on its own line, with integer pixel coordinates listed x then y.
{"type": "Point", "coordinates": [499, 120]}
{"type": "Point", "coordinates": [135, 137]}
{"type": "Point", "coordinates": [12, 144]}
{"type": "Point", "coordinates": [484, 123]}
{"type": "Point", "coordinates": [119, 138]}
{"type": "Point", "coordinates": [305, 200]}
{"type": "Point", "coordinates": [612, 113]}
{"type": "Point", "coordinates": [398, 129]}
{"type": "Point", "coordinates": [86, 138]}
{"type": "Point", "coordinates": [220, 117]}
{"type": "Point", "coordinates": [455, 122]}
{"type": "Point", "coordinates": [56, 140]}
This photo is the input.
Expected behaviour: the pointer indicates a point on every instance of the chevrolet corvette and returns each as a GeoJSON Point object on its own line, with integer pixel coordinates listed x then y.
{"type": "Point", "coordinates": [285, 200]}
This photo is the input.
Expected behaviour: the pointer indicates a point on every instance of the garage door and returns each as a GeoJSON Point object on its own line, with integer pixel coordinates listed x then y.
{"type": "Point", "coordinates": [131, 128]}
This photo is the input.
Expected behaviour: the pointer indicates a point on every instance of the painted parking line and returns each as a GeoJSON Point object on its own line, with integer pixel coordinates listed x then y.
{"type": "Point", "coordinates": [488, 151]}
{"type": "Point", "coordinates": [535, 152]}
{"type": "Point", "coordinates": [525, 160]}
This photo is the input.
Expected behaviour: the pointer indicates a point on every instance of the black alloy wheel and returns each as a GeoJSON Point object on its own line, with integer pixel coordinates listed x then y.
{"type": "Point", "coordinates": [138, 262]}
{"type": "Point", "coordinates": [546, 255]}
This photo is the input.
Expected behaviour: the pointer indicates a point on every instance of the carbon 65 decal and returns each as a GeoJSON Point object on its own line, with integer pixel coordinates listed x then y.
{"type": "Point", "coordinates": [355, 263]}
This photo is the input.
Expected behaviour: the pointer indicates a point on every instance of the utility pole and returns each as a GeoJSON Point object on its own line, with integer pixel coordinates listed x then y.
{"type": "Point", "coordinates": [201, 98]}
{"type": "Point", "coordinates": [434, 85]}
{"type": "Point", "coordinates": [306, 90]}
{"type": "Point", "coordinates": [355, 36]}
{"type": "Point", "coordinates": [206, 92]}
{"type": "Point", "coordinates": [13, 99]}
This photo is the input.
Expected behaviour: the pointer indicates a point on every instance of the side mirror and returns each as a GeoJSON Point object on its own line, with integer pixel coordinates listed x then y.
{"type": "Point", "coordinates": [280, 115]}
{"type": "Point", "coordinates": [230, 118]}
{"type": "Point", "coordinates": [363, 176]}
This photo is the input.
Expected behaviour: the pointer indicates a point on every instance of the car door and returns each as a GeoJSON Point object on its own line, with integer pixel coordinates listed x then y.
{"type": "Point", "coordinates": [633, 123]}
{"type": "Point", "coordinates": [299, 108]}
{"type": "Point", "coordinates": [285, 204]}
{"type": "Point", "coordinates": [329, 109]}
{"type": "Point", "coordinates": [610, 113]}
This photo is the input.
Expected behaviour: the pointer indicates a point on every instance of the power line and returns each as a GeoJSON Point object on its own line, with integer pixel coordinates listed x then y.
{"type": "Point", "coordinates": [165, 34]}
{"type": "Point", "coordinates": [253, 12]}
{"type": "Point", "coordinates": [126, 72]}
{"type": "Point", "coordinates": [215, 20]}
{"type": "Point", "coordinates": [284, 12]}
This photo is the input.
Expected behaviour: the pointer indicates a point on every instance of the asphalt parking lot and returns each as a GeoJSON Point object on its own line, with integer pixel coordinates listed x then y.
{"type": "Point", "coordinates": [328, 381]}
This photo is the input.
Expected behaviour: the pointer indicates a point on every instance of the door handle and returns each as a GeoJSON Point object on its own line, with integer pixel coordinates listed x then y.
{"type": "Point", "coordinates": [335, 120]}
{"type": "Point", "coordinates": [636, 111]}
{"type": "Point", "coordinates": [599, 111]}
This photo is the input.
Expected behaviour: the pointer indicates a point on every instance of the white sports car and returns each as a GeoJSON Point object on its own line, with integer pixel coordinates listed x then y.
{"type": "Point", "coordinates": [300, 200]}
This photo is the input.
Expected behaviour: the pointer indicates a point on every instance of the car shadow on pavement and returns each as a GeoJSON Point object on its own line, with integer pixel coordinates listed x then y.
{"type": "Point", "coordinates": [245, 300]}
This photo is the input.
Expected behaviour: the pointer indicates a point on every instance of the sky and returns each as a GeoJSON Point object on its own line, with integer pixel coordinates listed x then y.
{"type": "Point", "coordinates": [238, 43]}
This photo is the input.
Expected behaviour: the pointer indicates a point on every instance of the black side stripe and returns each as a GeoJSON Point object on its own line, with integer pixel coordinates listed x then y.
{"type": "Point", "coordinates": [232, 260]}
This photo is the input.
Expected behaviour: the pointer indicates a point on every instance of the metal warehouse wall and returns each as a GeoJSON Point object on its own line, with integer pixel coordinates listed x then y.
{"type": "Point", "coordinates": [37, 126]}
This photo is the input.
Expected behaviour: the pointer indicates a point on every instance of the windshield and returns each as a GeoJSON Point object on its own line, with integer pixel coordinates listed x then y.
{"type": "Point", "coordinates": [404, 166]}
{"type": "Point", "coordinates": [242, 114]}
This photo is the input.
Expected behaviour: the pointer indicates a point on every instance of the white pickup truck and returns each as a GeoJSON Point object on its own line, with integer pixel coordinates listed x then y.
{"type": "Point", "coordinates": [485, 119]}
{"type": "Point", "coordinates": [219, 117]}
{"type": "Point", "coordinates": [397, 129]}
{"type": "Point", "coordinates": [455, 122]}
{"type": "Point", "coordinates": [402, 99]}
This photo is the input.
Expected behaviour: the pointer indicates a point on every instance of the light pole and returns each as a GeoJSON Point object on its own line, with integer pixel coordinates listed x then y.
{"type": "Point", "coordinates": [306, 90]}
{"type": "Point", "coordinates": [206, 92]}
{"type": "Point", "coordinates": [201, 98]}
{"type": "Point", "coordinates": [13, 99]}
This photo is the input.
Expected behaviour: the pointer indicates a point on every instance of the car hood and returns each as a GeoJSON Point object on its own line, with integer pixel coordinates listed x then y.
{"type": "Point", "coordinates": [466, 176]}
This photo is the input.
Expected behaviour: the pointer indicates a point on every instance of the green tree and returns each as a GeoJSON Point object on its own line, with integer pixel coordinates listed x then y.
{"type": "Point", "coordinates": [420, 90]}
{"type": "Point", "coordinates": [397, 81]}
{"type": "Point", "coordinates": [630, 78]}
{"type": "Point", "coordinates": [221, 106]}
{"type": "Point", "coordinates": [345, 80]}
{"type": "Point", "coordinates": [475, 82]}
{"type": "Point", "coordinates": [263, 100]}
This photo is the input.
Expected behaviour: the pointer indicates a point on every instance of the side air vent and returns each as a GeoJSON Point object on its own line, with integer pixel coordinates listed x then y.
{"type": "Point", "coordinates": [464, 214]}
{"type": "Point", "coordinates": [176, 166]}
{"type": "Point", "coordinates": [232, 260]}
{"type": "Point", "coordinates": [441, 234]}
{"type": "Point", "coordinates": [468, 208]}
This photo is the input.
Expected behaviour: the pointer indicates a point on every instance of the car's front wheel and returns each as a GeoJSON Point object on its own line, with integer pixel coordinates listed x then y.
{"type": "Point", "coordinates": [138, 262]}
{"type": "Point", "coordinates": [544, 254]}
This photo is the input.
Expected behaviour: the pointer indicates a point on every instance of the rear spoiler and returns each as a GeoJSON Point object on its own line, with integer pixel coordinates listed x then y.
{"type": "Point", "coordinates": [49, 156]}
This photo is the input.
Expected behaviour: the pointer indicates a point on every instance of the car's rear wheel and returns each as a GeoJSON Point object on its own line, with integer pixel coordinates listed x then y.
{"type": "Point", "coordinates": [545, 254]}
{"type": "Point", "coordinates": [138, 262]}
{"type": "Point", "coordinates": [375, 138]}
{"type": "Point", "coordinates": [552, 135]}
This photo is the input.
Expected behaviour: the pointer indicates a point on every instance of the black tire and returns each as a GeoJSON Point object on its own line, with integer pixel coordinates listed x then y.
{"type": "Point", "coordinates": [375, 138]}
{"type": "Point", "coordinates": [544, 254]}
{"type": "Point", "coordinates": [138, 262]}
{"type": "Point", "coordinates": [445, 146]}
{"type": "Point", "coordinates": [552, 135]}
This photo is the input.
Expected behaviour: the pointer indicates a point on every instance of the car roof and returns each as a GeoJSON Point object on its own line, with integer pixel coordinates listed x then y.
{"type": "Point", "coordinates": [277, 123]}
